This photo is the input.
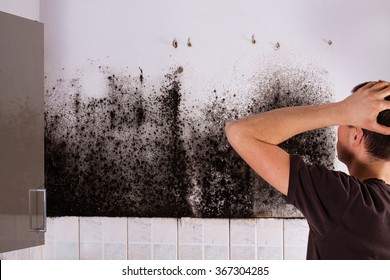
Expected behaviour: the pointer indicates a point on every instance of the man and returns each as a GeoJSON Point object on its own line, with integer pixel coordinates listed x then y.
{"type": "Point", "coordinates": [348, 215]}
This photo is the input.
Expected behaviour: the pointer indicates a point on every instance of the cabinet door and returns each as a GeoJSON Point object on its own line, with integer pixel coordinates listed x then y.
{"type": "Point", "coordinates": [22, 197]}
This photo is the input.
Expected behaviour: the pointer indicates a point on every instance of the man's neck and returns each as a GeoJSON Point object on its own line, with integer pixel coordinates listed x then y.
{"type": "Point", "coordinates": [379, 169]}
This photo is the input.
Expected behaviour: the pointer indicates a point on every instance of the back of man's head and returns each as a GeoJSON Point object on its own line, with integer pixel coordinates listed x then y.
{"type": "Point", "coordinates": [377, 145]}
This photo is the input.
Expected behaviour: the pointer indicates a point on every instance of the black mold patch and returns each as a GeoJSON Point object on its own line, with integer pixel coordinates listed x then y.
{"type": "Point", "coordinates": [121, 155]}
{"type": "Point", "coordinates": [285, 87]}
{"type": "Point", "coordinates": [143, 151]}
{"type": "Point", "coordinates": [221, 181]}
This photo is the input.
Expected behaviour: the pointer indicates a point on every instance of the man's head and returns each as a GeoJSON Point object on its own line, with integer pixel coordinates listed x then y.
{"type": "Point", "coordinates": [376, 145]}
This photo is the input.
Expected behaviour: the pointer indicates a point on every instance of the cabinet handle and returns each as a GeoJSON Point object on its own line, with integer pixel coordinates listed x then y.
{"type": "Point", "coordinates": [44, 227]}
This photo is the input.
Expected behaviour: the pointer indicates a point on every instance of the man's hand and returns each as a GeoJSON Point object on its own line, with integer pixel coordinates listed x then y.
{"type": "Point", "coordinates": [362, 107]}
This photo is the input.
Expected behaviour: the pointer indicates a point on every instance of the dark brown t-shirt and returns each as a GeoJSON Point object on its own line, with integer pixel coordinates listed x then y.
{"type": "Point", "coordinates": [348, 218]}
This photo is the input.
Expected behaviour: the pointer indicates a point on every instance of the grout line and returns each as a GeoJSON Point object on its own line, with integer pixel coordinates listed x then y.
{"type": "Point", "coordinates": [283, 256]}
{"type": "Point", "coordinates": [203, 248]}
{"type": "Point", "coordinates": [230, 241]}
{"type": "Point", "coordinates": [152, 238]}
{"type": "Point", "coordinates": [79, 241]}
{"type": "Point", "coordinates": [256, 254]}
{"type": "Point", "coordinates": [102, 233]}
{"type": "Point", "coordinates": [127, 239]}
{"type": "Point", "coordinates": [177, 238]}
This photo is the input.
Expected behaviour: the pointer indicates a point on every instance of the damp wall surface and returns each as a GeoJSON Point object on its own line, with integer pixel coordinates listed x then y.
{"type": "Point", "coordinates": [134, 125]}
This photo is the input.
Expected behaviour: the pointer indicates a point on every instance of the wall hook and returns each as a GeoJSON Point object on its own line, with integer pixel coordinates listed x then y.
{"type": "Point", "coordinates": [330, 42]}
{"type": "Point", "coordinates": [174, 43]}
{"type": "Point", "coordinates": [189, 43]}
{"type": "Point", "coordinates": [253, 39]}
{"type": "Point", "coordinates": [277, 46]}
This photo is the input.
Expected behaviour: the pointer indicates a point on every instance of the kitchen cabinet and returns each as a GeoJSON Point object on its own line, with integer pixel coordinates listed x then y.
{"type": "Point", "coordinates": [22, 192]}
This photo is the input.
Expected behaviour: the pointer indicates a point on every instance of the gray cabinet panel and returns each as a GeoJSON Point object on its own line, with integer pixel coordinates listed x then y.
{"type": "Point", "coordinates": [21, 133]}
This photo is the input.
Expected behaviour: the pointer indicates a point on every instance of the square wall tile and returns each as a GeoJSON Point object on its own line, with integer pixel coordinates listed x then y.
{"type": "Point", "coordinates": [114, 230]}
{"type": "Point", "coordinates": [216, 232]}
{"type": "Point", "coordinates": [190, 252]}
{"type": "Point", "coordinates": [91, 251]}
{"type": "Point", "coordinates": [190, 231]}
{"type": "Point", "coordinates": [36, 253]}
{"type": "Point", "coordinates": [91, 229]}
{"type": "Point", "coordinates": [269, 253]}
{"type": "Point", "coordinates": [62, 239]}
{"type": "Point", "coordinates": [216, 239]}
{"type": "Point", "coordinates": [91, 238]}
{"type": "Point", "coordinates": [269, 236]}
{"type": "Point", "coordinates": [164, 231]}
{"type": "Point", "coordinates": [296, 233]}
{"type": "Point", "coordinates": [295, 253]}
{"type": "Point", "coordinates": [139, 230]}
{"type": "Point", "coordinates": [67, 250]}
{"type": "Point", "coordinates": [191, 239]}
{"type": "Point", "coordinates": [66, 229]}
{"type": "Point", "coordinates": [216, 252]}
{"type": "Point", "coordinates": [12, 255]}
{"type": "Point", "coordinates": [139, 239]}
{"type": "Point", "coordinates": [139, 251]}
{"type": "Point", "coordinates": [164, 238]}
{"type": "Point", "coordinates": [114, 238]}
{"type": "Point", "coordinates": [242, 252]}
{"type": "Point", "coordinates": [49, 250]}
{"type": "Point", "coordinates": [269, 232]}
{"type": "Point", "coordinates": [164, 252]}
{"type": "Point", "coordinates": [243, 232]}
{"type": "Point", "coordinates": [114, 251]}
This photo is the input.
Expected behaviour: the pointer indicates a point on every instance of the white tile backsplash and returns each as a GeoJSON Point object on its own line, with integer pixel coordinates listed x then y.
{"type": "Point", "coordinates": [114, 251]}
{"type": "Point", "coordinates": [62, 240]}
{"type": "Point", "coordinates": [190, 252]}
{"type": "Point", "coordinates": [114, 238]}
{"type": "Point", "coordinates": [243, 232]}
{"type": "Point", "coordinates": [91, 238]}
{"type": "Point", "coordinates": [190, 231]}
{"type": "Point", "coordinates": [139, 251]}
{"type": "Point", "coordinates": [67, 250]}
{"type": "Point", "coordinates": [269, 232]}
{"type": "Point", "coordinates": [216, 231]}
{"type": "Point", "coordinates": [91, 229]}
{"type": "Point", "coordinates": [215, 252]}
{"type": "Point", "coordinates": [139, 230]}
{"type": "Point", "coordinates": [114, 230]}
{"type": "Point", "coordinates": [72, 238]}
{"type": "Point", "coordinates": [36, 253]}
{"type": "Point", "coordinates": [66, 229]}
{"type": "Point", "coordinates": [269, 253]}
{"type": "Point", "coordinates": [243, 252]}
{"type": "Point", "coordinates": [164, 231]}
{"type": "Point", "coordinates": [164, 252]}
{"type": "Point", "coordinates": [296, 233]}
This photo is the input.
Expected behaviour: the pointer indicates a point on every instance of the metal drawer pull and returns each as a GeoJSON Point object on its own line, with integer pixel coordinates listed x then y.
{"type": "Point", "coordinates": [44, 225]}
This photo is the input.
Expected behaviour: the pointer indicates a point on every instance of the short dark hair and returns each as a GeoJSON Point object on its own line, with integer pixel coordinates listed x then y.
{"type": "Point", "coordinates": [378, 145]}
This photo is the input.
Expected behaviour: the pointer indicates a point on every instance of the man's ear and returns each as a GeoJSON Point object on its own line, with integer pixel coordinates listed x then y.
{"type": "Point", "coordinates": [357, 136]}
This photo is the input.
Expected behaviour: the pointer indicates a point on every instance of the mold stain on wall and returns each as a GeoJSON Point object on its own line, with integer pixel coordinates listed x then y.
{"type": "Point", "coordinates": [143, 151]}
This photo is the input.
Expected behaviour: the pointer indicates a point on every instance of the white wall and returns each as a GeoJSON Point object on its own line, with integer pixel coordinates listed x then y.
{"type": "Point", "coordinates": [24, 8]}
{"type": "Point", "coordinates": [129, 34]}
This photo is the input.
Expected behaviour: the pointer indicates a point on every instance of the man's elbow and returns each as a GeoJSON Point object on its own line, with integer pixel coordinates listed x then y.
{"type": "Point", "coordinates": [232, 131]}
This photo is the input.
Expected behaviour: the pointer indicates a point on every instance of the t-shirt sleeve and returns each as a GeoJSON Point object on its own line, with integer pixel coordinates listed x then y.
{"type": "Point", "coordinates": [320, 194]}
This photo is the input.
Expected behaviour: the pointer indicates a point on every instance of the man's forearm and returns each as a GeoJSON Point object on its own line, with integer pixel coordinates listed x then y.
{"type": "Point", "coordinates": [278, 125]}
